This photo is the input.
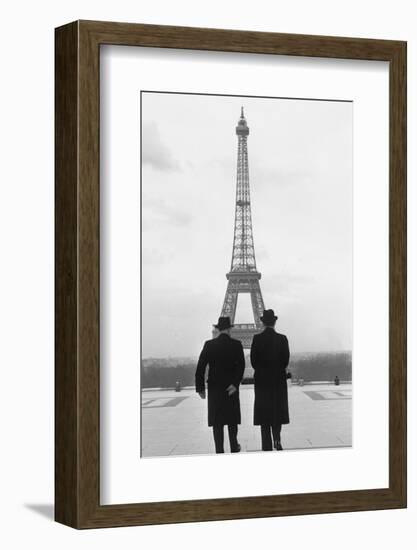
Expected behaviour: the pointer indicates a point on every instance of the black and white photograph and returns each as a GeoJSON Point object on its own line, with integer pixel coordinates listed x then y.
{"type": "Point", "coordinates": [208, 273]}
{"type": "Point", "coordinates": [246, 260]}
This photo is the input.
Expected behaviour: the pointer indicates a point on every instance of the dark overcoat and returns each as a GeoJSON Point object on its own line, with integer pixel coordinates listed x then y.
{"type": "Point", "coordinates": [269, 356]}
{"type": "Point", "coordinates": [226, 361]}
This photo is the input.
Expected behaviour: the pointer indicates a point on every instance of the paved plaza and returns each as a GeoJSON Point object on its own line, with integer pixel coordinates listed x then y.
{"type": "Point", "coordinates": [175, 423]}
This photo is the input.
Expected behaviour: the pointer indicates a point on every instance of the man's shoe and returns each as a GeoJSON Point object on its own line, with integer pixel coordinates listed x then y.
{"type": "Point", "coordinates": [236, 449]}
{"type": "Point", "coordinates": [277, 445]}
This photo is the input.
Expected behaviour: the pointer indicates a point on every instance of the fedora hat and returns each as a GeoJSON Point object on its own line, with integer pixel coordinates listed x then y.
{"type": "Point", "coordinates": [223, 323]}
{"type": "Point", "coordinates": [269, 316]}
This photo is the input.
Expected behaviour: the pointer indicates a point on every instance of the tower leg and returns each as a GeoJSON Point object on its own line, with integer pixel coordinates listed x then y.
{"type": "Point", "coordinates": [230, 301]}
{"type": "Point", "coordinates": [257, 302]}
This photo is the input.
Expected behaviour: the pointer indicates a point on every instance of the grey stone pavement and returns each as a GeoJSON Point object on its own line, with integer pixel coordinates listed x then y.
{"type": "Point", "coordinates": [175, 423]}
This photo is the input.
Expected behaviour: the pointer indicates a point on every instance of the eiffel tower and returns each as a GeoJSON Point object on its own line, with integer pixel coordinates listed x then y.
{"type": "Point", "coordinates": [243, 276]}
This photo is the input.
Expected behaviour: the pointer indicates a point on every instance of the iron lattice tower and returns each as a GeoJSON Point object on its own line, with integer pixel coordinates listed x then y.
{"type": "Point", "coordinates": [243, 276]}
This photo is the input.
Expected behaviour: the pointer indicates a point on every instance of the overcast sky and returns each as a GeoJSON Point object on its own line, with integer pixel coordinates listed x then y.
{"type": "Point", "coordinates": [300, 171]}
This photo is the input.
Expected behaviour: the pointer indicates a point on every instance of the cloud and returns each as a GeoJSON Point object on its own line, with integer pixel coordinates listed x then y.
{"type": "Point", "coordinates": [262, 175]}
{"type": "Point", "coordinates": [154, 152]}
{"type": "Point", "coordinates": [290, 285]}
{"type": "Point", "coordinates": [261, 253]}
{"type": "Point", "coordinates": [163, 212]}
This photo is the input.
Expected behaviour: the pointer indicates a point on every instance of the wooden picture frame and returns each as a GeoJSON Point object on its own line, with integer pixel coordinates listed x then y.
{"type": "Point", "coordinates": [77, 363]}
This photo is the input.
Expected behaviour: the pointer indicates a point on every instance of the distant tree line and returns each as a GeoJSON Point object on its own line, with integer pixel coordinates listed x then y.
{"type": "Point", "coordinates": [165, 377]}
{"type": "Point", "coordinates": [311, 367]}
{"type": "Point", "coordinates": [322, 367]}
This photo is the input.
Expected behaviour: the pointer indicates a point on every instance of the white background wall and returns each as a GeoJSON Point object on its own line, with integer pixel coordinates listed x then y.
{"type": "Point", "coordinates": [26, 273]}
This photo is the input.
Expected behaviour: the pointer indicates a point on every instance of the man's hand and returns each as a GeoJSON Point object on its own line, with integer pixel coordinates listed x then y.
{"type": "Point", "coordinates": [202, 394]}
{"type": "Point", "coordinates": [231, 389]}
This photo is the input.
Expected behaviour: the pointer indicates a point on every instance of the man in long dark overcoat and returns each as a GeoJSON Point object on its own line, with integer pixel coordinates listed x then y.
{"type": "Point", "coordinates": [226, 361]}
{"type": "Point", "coordinates": [270, 357]}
